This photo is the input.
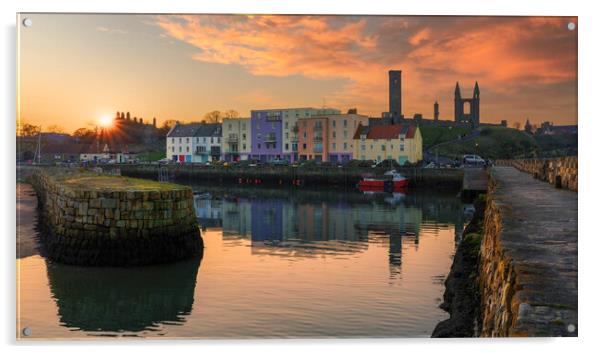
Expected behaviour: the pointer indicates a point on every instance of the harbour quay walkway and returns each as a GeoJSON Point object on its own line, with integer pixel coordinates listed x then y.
{"type": "Point", "coordinates": [529, 258]}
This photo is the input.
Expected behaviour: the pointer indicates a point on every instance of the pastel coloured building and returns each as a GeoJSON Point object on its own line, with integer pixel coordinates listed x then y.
{"type": "Point", "coordinates": [274, 132]}
{"type": "Point", "coordinates": [328, 137]}
{"type": "Point", "coordinates": [236, 139]}
{"type": "Point", "coordinates": [340, 139]}
{"type": "Point", "coordinates": [399, 142]}
{"type": "Point", "coordinates": [266, 135]}
{"type": "Point", "coordinates": [313, 138]}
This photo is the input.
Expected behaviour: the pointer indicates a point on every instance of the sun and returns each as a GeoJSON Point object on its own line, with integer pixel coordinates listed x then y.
{"type": "Point", "coordinates": [105, 121]}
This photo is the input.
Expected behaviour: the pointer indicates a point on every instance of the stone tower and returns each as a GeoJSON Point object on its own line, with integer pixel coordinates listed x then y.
{"type": "Point", "coordinates": [395, 93]}
{"type": "Point", "coordinates": [436, 111]}
{"type": "Point", "coordinates": [472, 117]}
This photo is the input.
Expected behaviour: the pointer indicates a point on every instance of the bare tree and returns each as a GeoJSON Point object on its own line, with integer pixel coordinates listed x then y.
{"type": "Point", "coordinates": [213, 117]}
{"type": "Point", "coordinates": [230, 113]}
{"type": "Point", "coordinates": [26, 129]}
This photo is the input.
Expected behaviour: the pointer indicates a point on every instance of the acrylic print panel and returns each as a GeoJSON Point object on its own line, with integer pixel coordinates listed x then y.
{"type": "Point", "coordinates": [276, 176]}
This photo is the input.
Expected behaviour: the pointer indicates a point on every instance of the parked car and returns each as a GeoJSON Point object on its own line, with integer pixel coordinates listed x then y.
{"type": "Point", "coordinates": [473, 160]}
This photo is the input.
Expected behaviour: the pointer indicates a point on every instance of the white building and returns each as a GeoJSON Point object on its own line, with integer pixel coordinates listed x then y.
{"type": "Point", "coordinates": [194, 142]}
{"type": "Point", "coordinates": [236, 139]}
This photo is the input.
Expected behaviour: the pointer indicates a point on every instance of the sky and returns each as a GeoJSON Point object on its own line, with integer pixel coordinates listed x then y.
{"type": "Point", "coordinates": [75, 69]}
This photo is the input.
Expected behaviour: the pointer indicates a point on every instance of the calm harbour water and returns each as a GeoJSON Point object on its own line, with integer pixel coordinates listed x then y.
{"type": "Point", "coordinates": [277, 263]}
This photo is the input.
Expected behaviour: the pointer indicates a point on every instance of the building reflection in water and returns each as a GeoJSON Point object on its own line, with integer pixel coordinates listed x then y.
{"type": "Point", "coordinates": [118, 300]}
{"type": "Point", "coordinates": [311, 223]}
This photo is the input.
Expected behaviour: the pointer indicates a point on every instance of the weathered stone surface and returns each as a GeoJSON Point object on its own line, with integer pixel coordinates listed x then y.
{"type": "Point", "coordinates": [100, 227]}
{"type": "Point", "coordinates": [528, 267]}
{"type": "Point", "coordinates": [561, 172]}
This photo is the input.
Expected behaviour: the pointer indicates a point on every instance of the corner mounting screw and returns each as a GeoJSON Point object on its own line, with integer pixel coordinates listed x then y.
{"type": "Point", "coordinates": [26, 331]}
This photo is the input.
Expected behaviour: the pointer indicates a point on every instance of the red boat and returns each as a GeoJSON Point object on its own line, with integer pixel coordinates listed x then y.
{"type": "Point", "coordinates": [391, 181]}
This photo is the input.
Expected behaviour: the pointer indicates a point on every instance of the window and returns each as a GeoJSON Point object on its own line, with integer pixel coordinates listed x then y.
{"type": "Point", "coordinates": [229, 126]}
{"type": "Point", "coordinates": [345, 122]}
{"type": "Point", "coordinates": [363, 147]}
{"type": "Point", "coordinates": [173, 149]}
{"type": "Point", "coordinates": [173, 140]}
{"type": "Point", "coordinates": [187, 140]}
{"type": "Point", "coordinates": [285, 125]}
{"type": "Point", "coordinates": [334, 123]}
{"type": "Point", "coordinates": [334, 134]}
{"type": "Point", "coordinates": [345, 134]}
{"type": "Point", "coordinates": [259, 146]}
{"type": "Point", "coordinates": [244, 146]}
{"type": "Point", "coordinates": [371, 147]}
{"type": "Point", "coordinates": [180, 149]}
{"type": "Point", "coordinates": [304, 134]}
{"type": "Point", "coordinates": [204, 141]}
{"type": "Point", "coordinates": [218, 139]}
{"type": "Point", "coordinates": [180, 140]}
{"type": "Point", "coordinates": [345, 146]}
{"type": "Point", "coordinates": [244, 136]}
{"type": "Point", "coordinates": [188, 149]}
{"type": "Point", "coordinates": [304, 146]}
{"type": "Point", "coordinates": [197, 140]}
{"type": "Point", "coordinates": [244, 125]}
{"type": "Point", "coordinates": [286, 146]}
{"type": "Point", "coordinates": [334, 146]}
{"type": "Point", "coordinates": [286, 135]}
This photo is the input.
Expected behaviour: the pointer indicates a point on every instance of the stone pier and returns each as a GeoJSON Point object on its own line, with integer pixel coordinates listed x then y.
{"type": "Point", "coordinates": [98, 220]}
{"type": "Point", "coordinates": [528, 258]}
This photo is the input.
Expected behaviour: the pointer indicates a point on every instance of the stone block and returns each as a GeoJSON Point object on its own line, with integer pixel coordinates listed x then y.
{"type": "Point", "coordinates": [109, 203]}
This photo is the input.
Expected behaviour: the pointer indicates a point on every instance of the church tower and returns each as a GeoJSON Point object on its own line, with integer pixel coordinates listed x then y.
{"type": "Point", "coordinates": [474, 105]}
{"type": "Point", "coordinates": [436, 111]}
{"type": "Point", "coordinates": [458, 105]}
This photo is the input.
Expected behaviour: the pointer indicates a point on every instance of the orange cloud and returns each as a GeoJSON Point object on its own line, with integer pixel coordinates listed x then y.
{"type": "Point", "coordinates": [515, 59]}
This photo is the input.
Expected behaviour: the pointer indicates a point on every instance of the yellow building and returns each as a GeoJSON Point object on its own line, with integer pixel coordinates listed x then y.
{"type": "Point", "coordinates": [399, 142]}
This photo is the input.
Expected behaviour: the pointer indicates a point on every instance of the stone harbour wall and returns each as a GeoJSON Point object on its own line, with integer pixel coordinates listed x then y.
{"type": "Point", "coordinates": [561, 172]}
{"type": "Point", "coordinates": [497, 278]}
{"type": "Point", "coordinates": [115, 228]}
{"type": "Point", "coordinates": [527, 272]}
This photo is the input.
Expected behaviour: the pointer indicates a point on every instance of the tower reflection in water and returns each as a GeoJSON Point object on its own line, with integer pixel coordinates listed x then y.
{"type": "Point", "coordinates": [123, 299]}
{"type": "Point", "coordinates": [313, 223]}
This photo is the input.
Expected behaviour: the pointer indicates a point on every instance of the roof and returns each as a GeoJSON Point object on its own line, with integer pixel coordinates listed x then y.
{"type": "Point", "coordinates": [195, 129]}
{"type": "Point", "coordinates": [386, 131]}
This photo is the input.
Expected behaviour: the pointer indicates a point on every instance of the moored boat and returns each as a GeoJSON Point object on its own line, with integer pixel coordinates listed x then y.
{"type": "Point", "coordinates": [391, 181]}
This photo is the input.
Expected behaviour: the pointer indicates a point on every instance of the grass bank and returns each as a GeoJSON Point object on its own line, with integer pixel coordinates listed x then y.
{"type": "Point", "coordinates": [493, 143]}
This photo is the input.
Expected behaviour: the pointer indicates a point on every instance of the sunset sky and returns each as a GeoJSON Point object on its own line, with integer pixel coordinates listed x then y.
{"type": "Point", "coordinates": [74, 69]}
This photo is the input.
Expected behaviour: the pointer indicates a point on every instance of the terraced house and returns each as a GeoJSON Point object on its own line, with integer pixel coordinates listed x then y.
{"type": "Point", "coordinates": [328, 137]}
{"type": "Point", "coordinates": [236, 139]}
{"type": "Point", "coordinates": [274, 132]}
{"type": "Point", "coordinates": [399, 142]}
{"type": "Point", "coordinates": [194, 142]}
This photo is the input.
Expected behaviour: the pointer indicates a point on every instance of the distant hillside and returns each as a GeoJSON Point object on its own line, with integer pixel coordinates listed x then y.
{"type": "Point", "coordinates": [557, 145]}
{"type": "Point", "coordinates": [433, 135]}
{"type": "Point", "coordinates": [492, 143]}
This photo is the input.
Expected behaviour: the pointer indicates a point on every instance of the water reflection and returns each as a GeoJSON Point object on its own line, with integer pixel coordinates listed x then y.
{"type": "Point", "coordinates": [278, 263]}
{"type": "Point", "coordinates": [123, 299]}
{"type": "Point", "coordinates": [312, 223]}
